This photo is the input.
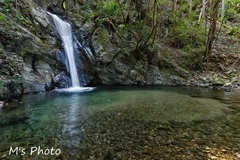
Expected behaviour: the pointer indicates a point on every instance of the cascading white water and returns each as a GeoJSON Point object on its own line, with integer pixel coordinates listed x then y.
{"type": "Point", "coordinates": [65, 31]}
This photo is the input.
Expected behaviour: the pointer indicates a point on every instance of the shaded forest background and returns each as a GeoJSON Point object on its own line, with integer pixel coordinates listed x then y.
{"type": "Point", "coordinates": [191, 26]}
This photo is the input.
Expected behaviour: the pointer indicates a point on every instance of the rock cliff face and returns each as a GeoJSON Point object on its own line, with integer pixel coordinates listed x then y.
{"type": "Point", "coordinates": [114, 66]}
{"type": "Point", "coordinates": [29, 48]}
{"type": "Point", "coordinates": [26, 42]}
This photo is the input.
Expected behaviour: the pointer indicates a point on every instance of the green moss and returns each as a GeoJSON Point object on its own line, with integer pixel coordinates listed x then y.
{"type": "Point", "coordinates": [102, 38]}
{"type": "Point", "coordinates": [2, 18]}
{"type": "Point", "coordinates": [232, 75]}
{"type": "Point", "coordinates": [39, 40]}
{"type": "Point", "coordinates": [218, 81]}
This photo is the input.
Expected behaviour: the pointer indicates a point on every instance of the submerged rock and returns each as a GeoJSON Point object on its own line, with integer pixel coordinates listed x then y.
{"type": "Point", "coordinates": [14, 121]}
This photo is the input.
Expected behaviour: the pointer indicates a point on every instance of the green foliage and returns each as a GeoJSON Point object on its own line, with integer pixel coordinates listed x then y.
{"type": "Point", "coordinates": [232, 1]}
{"type": "Point", "coordinates": [231, 14]}
{"type": "Point", "coordinates": [2, 17]}
{"type": "Point", "coordinates": [100, 10]}
{"type": "Point", "coordinates": [192, 16]}
{"type": "Point", "coordinates": [6, 7]}
{"type": "Point", "coordinates": [6, 4]}
{"type": "Point", "coordinates": [122, 26]}
{"type": "Point", "coordinates": [234, 31]}
{"type": "Point", "coordinates": [154, 48]}
{"type": "Point", "coordinates": [188, 34]}
{"type": "Point", "coordinates": [165, 54]}
{"type": "Point", "coordinates": [184, 7]}
{"type": "Point", "coordinates": [102, 38]}
{"type": "Point", "coordinates": [125, 20]}
{"type": "Point", "coordinates": [21, 19]}
{"type": "Point", "coordinates": [164, 2]}
{"type": "Point", "coordinates": [233, 11]}
{"type": "Point", "coordinates": [111, 8]}
{"type": "Point", "coordinates": [91, 14]}
{"type": "Point", "coordinates": [131, 23]}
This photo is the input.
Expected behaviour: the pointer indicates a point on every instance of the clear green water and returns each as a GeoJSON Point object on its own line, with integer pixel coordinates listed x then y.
{"type": "Point", "coordinates": [125, 123]}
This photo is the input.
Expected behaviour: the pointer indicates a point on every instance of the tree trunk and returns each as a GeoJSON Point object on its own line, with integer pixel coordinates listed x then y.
{"type": "Point", "coordinates": [203, 9]}
{"type": "Point", "coordinates": [190, 5]}
{"type": "Point", "coordinates": [212, 31]}
{"type": "Point", "coordinates": [202, 13]}
{"type": "Point", "coordinates": [174, 8]}
{"type": "Point", "coordinates": [223, 8]}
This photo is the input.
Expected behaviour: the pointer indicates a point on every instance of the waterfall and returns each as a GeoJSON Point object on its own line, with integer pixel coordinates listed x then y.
{"type": "Point", "coordinates": [65, 31]}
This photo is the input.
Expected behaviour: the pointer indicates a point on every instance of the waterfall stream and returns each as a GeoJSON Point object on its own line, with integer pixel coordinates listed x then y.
{"type": "Point", "coordinates": [65, 31]}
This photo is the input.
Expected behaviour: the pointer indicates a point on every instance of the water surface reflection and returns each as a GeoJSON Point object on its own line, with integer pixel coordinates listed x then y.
{"type": "Point", "coordinates": [127, 122]}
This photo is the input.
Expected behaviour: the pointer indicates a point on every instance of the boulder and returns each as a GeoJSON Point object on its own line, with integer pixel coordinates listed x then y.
{"type": "Point", "coordinates": [61, 80]}
{"type": "Point", "coordinates": [11, 89]}
{"type": "Point", "coordinates": [37, 75]}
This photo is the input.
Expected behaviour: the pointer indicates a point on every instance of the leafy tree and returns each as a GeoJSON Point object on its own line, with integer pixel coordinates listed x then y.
{"type": "Point", "coordinates": [134, 22]}
{"type": "Point", "coordinates": [140, 24]}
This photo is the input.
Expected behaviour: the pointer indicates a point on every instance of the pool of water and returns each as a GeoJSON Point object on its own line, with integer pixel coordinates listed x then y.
{"type": "Point", "coordinates": [123, 123]}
